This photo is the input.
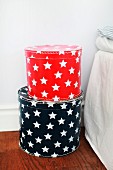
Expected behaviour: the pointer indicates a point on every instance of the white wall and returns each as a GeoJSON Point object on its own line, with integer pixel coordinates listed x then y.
{"type": "Point", "coordinates": [34, 22]}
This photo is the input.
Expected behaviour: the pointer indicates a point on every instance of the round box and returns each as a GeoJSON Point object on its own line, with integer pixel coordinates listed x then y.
{"type": "Point", "coordinates": [53, 72]}
{"type": "Point", "coordinates": [49, 129]}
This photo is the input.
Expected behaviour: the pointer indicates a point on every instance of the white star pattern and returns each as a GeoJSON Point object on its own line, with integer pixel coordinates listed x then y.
{"type": "Point", "coordinates": [29, 74]}
{"type": "Point", "coordinates": [57, 144]}
{"type": "Point", "coordinates": [63, 133]}
{"type": "Point", "coordinates": [78, 139]}
{"type": "Point", "coordinates": [79, 53]}
{"type": "Point", "coordinates": [71, 70]}
{"type": "Point", "coordinates": [30, 144]}
{"type": "Point", "coordinates": [45, 149]}
{"type": "Point", "coordinates": [50, 104]}
{"type": "Point", "coordinates": [73, 52]}
{"type": "Point", "coordinates": [29, 88]}
{"type": "Point", "coordinates": [37, 113]}
{"type": "Point", "coordinates": [77, 60]}
{"type": "Point", "coordinates": [55, 87]}
{"type": "Point", "coordinates": [65, 149]}
{"type": "Point", "coordinates": [79, 120]}
{"type": "Point", "coordinates": [71, 124]}
{"type": "Point", "coordinates": [38, 140]}
{"type": "Point", "coordinates": [73, 102]}
{"type": "Point", "coordinates": [44, 93]}
{"type": "Point", "coordinates": [26, 151]}
{"type": "Point", "coordinates": [76, 130]}
{"type": "Point", "coordinates": [58, 74]}
{"type": "Point", "coordinates": [71, 96]}
{"type": "Point", "coordinates": [61, 121]}
{"type": "Point", "coordinates": [48, 136]}
{"type": "Point", "coordinates": [71, 139]}
{"type": "Point", "coordinates": [23, 135]}
{"type": "Point", "coordinates": [34, 82]}
{"type": "Point", "coordinates": [32, 56]}
{"type": "Point", "coordinates": [79, 73]}
{"type": "Point", "coordinates": [61, 52]}
{"type": "Point", "coordinates": [69, 112]}
{"type": "Point", "coordinates": [68, 83]}
{"type": "Point", "coordinates": [27, 115]}
{"type": "Point", "coordinates": [21, 97]}
{"type": "Point", "coordinates": [35, 67]}
{"type": "Point", "coordinates": [52, 115]}
{"type": "Point", "coordinates": [77, 115]}
{"type": "Point", "coordinates": [36, 154]}
{"type": "Point", "coordinates": [54, 155]}
{"type": "Point", "coordinates": [49, 70]}
{"type": "Point", "coordinates": [79, 102]}
{"type": "Point", "coordinates": [22, 121]}
{"type": "Point", "coordinates": [36, 124]}
{"type": "Point", "coordinates": [56, 99]}
{"type": "Point", "coordinates": [76, 84]}
{"type": "Point", "coordinates": [63, 106]}
{"type": "Point", "coordinates": [28, 60]}
{"type": "Point", "coordinates": [23, 93]}
{"type": "Point", "coordinates": [34, 97]}
{"type": "Point", "coordinates": [73, 148]}
{"type": "Point", "coordinates": [26, 89]}
{"type": "Point", "coordinates": [21, 140]}
{"type": "Point", "coordinates": [43, 80]}
{"type": "Point", "coordinates": [63, 63]}
{"type": "Point", "coordinates": [50, 126]}
{"type": "Point", "coordinates": [33, 103]}
{"type": "Point", "coordinates": [22, 105]}
{"type": "Point", "coordinates": [47, 65]}
{"type": "Point", "coordinates": [47, 57]}
{"type": "Point", "coordinates": [29, 132]}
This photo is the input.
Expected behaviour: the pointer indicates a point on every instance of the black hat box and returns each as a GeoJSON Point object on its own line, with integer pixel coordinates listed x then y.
{"type": "Point", "coordinates": [49, 129]}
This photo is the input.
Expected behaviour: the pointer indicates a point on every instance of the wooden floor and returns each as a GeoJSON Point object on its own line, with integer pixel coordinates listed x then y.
{"type": "Point", "coordinates": [13, 158]}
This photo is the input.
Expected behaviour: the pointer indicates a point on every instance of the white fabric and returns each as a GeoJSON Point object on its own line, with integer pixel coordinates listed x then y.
{"type": "Point", "coordinates": [104, 44]}
{"type": "Point", "coordinates": [106, 32]}
{"type": "Point", "coordinates": [98, 112]}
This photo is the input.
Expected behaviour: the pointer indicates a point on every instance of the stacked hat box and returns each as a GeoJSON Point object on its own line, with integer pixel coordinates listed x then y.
{"type": "Point", "coordinates": [53, 72]}
{"type": "Point", "coordinates": [50, 104]}
{"type": "Point", "coordinates": [49, 129]}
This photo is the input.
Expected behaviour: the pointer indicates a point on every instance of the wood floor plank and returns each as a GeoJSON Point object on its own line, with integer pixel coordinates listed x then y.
{"type": "Point", "coordinates": [13, 158]}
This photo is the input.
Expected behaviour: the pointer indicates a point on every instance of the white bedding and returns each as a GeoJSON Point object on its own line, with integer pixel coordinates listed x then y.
{"type": "Point", "coordinates": [98, 113]}
{"type": "Point", "coordinates": [104, 44]}
{"type": "Point", "coordinates": [107, 31]}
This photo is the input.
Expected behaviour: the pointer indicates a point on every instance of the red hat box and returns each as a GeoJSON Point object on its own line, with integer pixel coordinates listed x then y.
{"type": "Point", "coordinates": [53, 72]}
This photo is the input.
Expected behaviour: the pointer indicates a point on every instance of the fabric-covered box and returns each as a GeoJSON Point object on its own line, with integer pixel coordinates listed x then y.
{"type": "Point", "coordinates": [49, 129]}
{"type": "Point", "coordinates": [53, 72]}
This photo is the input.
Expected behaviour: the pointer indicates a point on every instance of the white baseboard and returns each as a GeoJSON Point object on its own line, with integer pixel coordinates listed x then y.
{"type": "Point", "coordinates": [9, 118]}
